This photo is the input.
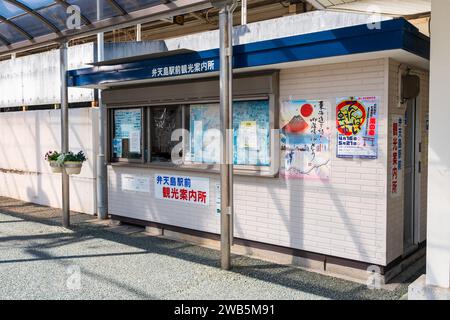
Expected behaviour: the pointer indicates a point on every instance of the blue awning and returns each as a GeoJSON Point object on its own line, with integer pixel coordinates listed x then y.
{"type": "Point", "coordinates": [393, 34]}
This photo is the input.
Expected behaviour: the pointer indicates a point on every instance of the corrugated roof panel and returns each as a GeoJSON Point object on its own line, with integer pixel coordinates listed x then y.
{"type": "Point", "coordinates": [10, 33]}
{"type": "Point", "coordinates": [8, 10]}
{"type": "Point", "coordinates": [31, 24]}
{"type": "Point", "coordinates": [36, 4]}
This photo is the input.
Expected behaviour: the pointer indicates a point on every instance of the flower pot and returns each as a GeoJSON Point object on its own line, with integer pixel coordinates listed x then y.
{"type": "Point", "coordinates": [73, 167]}
{"type": "Point", "coordinates": [56, 168]}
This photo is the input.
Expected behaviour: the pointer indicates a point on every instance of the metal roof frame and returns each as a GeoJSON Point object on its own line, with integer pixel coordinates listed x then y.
{"type": "Point", "coordinates": [15, 26]}
{"type": "Point", "coordinates": [66, 5]}
{"type": "Point", "coordinates": [124, 19]}
{"type": "Point", "coordinates": [117, 7]}
{"type": "Point", "coordinates": [34, 13]}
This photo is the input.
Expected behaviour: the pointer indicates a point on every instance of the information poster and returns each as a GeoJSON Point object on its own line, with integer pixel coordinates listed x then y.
{"type": "Point", "coordinates": [251, 125]}
{"type": "Point", "coordinates": [135, 183]}
{"type": "Point", "coordinates": [397, 155]}
{"type": "Point", "coordinates": [127, 132]}
{"type": "Point", "coordinates": [186, 189]}
{"type": "Point", "coordinates": [357, 127]}
{"type": "Point", "coordinates": [248, 137]}
{"type": "Point", "coordinates": [305, 139]}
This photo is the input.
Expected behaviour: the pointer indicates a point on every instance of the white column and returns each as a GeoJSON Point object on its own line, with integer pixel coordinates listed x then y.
{"type": "Point", "coordinates": [438, 239]}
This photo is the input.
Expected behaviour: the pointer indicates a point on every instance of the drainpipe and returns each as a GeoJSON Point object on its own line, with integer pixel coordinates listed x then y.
{"type": "Point", "coordinates": [64, 133]}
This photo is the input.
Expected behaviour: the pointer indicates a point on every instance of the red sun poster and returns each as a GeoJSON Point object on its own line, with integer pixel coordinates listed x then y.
{"type": "Point", "coordinates": [305, 139]}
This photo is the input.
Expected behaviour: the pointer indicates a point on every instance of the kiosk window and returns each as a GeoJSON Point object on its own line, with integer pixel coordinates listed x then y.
{"type": "Point", "coordinates": [163, 121]}
{"type": "Point", "coordinates": [251, 124]}
{"type": "Point", "coordinates": [127, 134]}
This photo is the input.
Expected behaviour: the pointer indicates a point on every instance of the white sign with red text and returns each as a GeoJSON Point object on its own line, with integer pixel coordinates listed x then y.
{"type": "Point", "coordinates": [180, 188]}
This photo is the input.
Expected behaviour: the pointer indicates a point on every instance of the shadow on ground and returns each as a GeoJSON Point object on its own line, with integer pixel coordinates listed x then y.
{"type": "Point", "coordinates": [83, 229]}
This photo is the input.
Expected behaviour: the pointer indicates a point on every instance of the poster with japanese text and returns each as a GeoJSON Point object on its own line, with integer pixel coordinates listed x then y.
{"type": "Point", "coordinates": [127, 127]}
{"type": "Point", "coordinates": [397, 155]}
{"type": "Point", "coordinates": [357, 127]}
{"type": "Point", "coordinates": [186, 189]}
{"type": "Point", "coordinates": [305, 139]}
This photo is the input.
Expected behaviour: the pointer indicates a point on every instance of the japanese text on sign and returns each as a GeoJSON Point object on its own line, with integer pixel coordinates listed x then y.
{"type": "Point", "coordinates": [182, 189]}
{"type": "Point", "coordinates": [397, 151]}
{"type": "Point", "coordinates": [183, 69]}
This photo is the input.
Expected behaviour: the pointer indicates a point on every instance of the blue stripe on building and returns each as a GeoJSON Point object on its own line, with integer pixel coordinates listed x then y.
{"type": "Point", "coordinates": [392, 34]}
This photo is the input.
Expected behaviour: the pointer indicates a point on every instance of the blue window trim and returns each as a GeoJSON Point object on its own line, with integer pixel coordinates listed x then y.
{"type": "Point", "coordinates": [393, 34]}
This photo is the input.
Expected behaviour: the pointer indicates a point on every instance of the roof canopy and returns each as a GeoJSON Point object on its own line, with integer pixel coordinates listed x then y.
{"type": "Point", "coordinates": [30, 23]}
{"type": "Point", "coordinates": [398, 7]}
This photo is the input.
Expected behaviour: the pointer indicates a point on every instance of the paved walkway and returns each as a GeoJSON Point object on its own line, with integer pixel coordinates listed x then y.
{"type": "Point", "coordinates": [40, 260]}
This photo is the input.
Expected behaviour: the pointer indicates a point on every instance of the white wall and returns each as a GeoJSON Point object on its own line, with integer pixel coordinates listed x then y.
{"type": "Point", "coordinates": [25, 137]}
{"type": "Point", "coordinates": [438, 244]}
{"type": "Point", "coordinates": [34, 79]}
{"type": "Point", "coordinates": [287, 26]}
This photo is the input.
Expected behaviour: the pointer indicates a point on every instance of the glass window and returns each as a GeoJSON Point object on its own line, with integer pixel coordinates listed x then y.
{"type": "Point", "coordinates": [251, 124]}
{"type": "Point", "coordinates": [163, 122]}
{"type": "Point", "coordinates": [201, 143]}
{"type": "Point", "coordinates": [251, 131]}
{"type": "Point", "coordinates": [204, 129]}
{"type": "Point", "coordinates": [127, 134]}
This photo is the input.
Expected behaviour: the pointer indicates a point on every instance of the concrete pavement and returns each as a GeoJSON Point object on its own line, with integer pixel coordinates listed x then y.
{"type": "Point", "coordinates": [40, 260]}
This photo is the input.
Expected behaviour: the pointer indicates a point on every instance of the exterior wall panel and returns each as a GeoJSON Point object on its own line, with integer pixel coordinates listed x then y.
{"type": "Point", "coordinates": [395, 218]}
{"type": "Point", "coordinates": [25, 137]}
{"type": "Point", "coordinates": [345, 216]}
{"type": "Point", "coordinates": [34, 79]}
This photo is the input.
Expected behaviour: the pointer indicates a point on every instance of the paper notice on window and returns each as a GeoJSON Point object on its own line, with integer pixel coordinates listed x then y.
{"type": "Point", "coordinates": [135, 183]}
{"type": "Point", "coordinates": [248, 137]}
{"type": "Point", "coordinates": [117, 147]}
{"type": "Point", "coordinates": [135, 141]}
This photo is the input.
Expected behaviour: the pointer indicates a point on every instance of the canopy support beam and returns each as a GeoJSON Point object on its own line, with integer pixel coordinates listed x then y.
{"type": "Point", "coordinates": [64, 133]}
{"type": "Point", "coordinates": [226, 115]}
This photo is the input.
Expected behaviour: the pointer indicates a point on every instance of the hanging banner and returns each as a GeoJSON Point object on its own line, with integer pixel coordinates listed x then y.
{"type": "Point", "coordinates": [397, 155]}
{"type": "Point", "coordinates": [185, 189]}
{"type": "Point", "coordinates": [305, 139]}
{"type": "Point", "coordinates": [357, 127]}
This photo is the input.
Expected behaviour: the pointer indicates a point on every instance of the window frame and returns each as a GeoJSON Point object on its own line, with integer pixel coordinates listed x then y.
{"type": "Point", "coordinates": [111, 125]}
{"type": "Point", "coordinates": [145, 161]}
